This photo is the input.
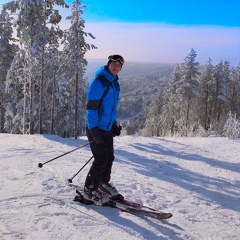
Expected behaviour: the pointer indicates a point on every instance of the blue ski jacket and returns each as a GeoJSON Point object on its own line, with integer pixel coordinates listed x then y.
{"type": "Point", "coordinates": [102, 100]}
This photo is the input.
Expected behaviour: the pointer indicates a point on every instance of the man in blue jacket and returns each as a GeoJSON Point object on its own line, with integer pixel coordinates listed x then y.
{"type": "Point", "coordinates": [102, 102]}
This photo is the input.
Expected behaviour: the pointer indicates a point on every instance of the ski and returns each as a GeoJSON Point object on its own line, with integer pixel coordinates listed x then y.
{"type": "Point", "coordinates": [133, 204]}
{"type": "Point", "coordinates": [128, 206]}
{"type": "Point", "coordinates": [131, 210]}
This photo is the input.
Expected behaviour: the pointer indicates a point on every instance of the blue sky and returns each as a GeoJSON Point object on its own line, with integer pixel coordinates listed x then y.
{"type": "Point", "coordinates": [179, 12]}
{"type": "Point", "coordinates": [163, 30]}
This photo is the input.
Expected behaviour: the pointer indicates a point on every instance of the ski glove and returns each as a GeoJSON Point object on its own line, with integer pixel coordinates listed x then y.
{"type": "Point", "coordinates": [116, 128]}
{"type": "Point", "coordinates": [98, 135]}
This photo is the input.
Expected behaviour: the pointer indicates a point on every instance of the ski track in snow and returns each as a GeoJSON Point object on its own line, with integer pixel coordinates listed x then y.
{"type": "Point", "coordinates": [197, 179]}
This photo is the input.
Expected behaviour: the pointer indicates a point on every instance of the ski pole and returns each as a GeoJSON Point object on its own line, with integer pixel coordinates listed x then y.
{"type": "Point", "coordinates": [41, 164]}
{"type": "Point", "coordinates": [70, 179]}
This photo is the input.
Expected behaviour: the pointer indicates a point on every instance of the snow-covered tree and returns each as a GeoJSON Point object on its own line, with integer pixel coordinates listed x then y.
{"type": "Point", "coordinates": [63, 110]}
{"type": "Point", "coordinates": [49, 62]}
{"type": "Point", "coordinates": [74, 50]}
{"type": "Point", "coordinates": [53, 77]}
{"type": "Point", "coordinates": [231, 128]}
{"type": "Point", "coordinates": [7, 51]}
{"type": "Point", "coordinates": [153, 126]}
{"type": "Point", "coordinates": [33, 34]}
{"type": "Point", "coordinates": [221, 81]}
{"type": "Point", "coordinates": [205, 103]}
{"type": "Point", "coordinates": [16, 101]}
{"type": "Point", "coordinates": [178, 115]}
{"type": "Point", "coordinates": [171, 111]}
{"type": "Point", "coordinates": [186, 91]}
{"type": "Point", "coordinates": [234, 91]}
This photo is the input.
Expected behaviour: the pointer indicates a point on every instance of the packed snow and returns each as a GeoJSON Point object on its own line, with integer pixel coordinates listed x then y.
{"type": "Point", "coordinates": [197, 179]}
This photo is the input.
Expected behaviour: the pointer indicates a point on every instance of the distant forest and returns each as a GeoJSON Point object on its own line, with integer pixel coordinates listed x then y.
{"type": "Point", "coordinates": [183, 99]}
{"type": "Point", "coordinates": [44, 78]}
{"type": "Point", "coordinates": [139, 82]}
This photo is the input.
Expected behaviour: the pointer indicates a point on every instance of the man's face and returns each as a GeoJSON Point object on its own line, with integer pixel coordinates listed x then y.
{"type": "Point", "coordinates": [115, 67]}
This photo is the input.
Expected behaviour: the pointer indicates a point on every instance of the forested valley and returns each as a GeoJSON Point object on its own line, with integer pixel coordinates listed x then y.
{"type": "Point", "coordinates": [182, 99]}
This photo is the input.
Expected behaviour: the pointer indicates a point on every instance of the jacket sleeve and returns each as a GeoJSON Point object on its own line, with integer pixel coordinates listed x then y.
{"type": "Point", "coordinates": [95, 92]}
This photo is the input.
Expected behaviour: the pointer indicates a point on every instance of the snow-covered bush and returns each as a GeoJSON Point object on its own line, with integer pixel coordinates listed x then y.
{"type": "Point", "coordinates": [231, 128]}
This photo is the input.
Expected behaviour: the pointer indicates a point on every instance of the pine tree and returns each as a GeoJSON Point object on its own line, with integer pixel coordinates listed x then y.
{"type": "Point", "coordinates": [53, 74]}
{"type": "Point", "coordinates": [49, 65]}
{"type": "Point", "coordinates": [33, 35]}
{"type": "Point", "coordinates": [153, 126]}
{"type": "Point", "coordinates": [205, 104]}
{"type": "Point", "coordinates": [234, 91]}
{"type": "Point", "coordinates": [7, 52]}
{"type": "Point", "coordinates": [221, 82]}
{"type": "Point", "coordinates": [74, 50]}
{"type": "Point", "coordinates": [171, 112]}
{"type": "Point", "coordinates": [15, 92]}
{"type": "Point", "coordinates": [186, 92]}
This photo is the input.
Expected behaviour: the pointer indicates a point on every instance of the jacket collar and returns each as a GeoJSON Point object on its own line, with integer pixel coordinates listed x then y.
{"type": "Point", "coordinates": [106, 73]}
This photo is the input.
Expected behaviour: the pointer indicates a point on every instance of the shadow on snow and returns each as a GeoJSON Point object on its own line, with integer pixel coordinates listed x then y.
{"type": "Point", "coordinates": [206, 186]}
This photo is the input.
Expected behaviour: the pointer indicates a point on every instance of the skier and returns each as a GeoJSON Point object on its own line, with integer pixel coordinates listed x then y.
{"type": "Point", "coordinates": [101, 109]}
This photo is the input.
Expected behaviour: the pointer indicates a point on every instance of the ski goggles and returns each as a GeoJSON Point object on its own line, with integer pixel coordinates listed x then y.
{"type": "Point", "coordinates": [115, 58]}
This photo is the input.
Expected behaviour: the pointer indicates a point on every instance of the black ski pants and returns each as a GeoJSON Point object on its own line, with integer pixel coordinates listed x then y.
{"type": "Point", "coordinates": [100, 171]}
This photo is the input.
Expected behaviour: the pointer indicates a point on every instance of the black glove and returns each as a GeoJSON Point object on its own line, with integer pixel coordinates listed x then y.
{"type": "Point", "coordinates": [116, 128]}
{"type": "Point", "coordinates": [98, 135]}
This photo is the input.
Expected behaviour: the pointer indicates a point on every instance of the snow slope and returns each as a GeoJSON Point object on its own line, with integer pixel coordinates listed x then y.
{"type": "Point", "coordinates": [197, 179]}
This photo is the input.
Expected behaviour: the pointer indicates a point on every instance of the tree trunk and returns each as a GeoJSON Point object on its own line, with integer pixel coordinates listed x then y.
{"type": "Point", "coordinates": [1, 116]}
{"type": "Point", "coordinates": [76, 107]}
{"type": "Point", "coordinates": [31, 122]}
{"type": "Point", "coordinates": [24, 107]}
{"type": "Point", "coordinates": [41, 99]}
{"type": "Point", "coordinates": [53, 104]}
{"type": "Point", "coordinates": [206, 112]}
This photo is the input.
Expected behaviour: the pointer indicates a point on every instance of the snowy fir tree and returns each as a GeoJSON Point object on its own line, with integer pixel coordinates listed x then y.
{"type": "Point", "coordinates": [154, 126]}
{"type": "Point", "coordinates": [234, 91]}
{"type": "Point", "coordinates": [38, 86]}
{"type": "Point", "coordinates": [205, 106]}
{"type": "Point", "coordinates": [8, 50]}
{"type": "Point", "coordinates": [221, 80]}
{"type": "Point", "coordinates": [15, 95]}
{"type": "Point", "coordinates": [33, 33]}
{"type": "Point", "coordinates": [74, 50]}
{"type": "Point", "coordinates": [231, 127]}
{"type": "Point", "coordinates": [186, 91]}
{"type": "Point", "coordinates": [170, 113]}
